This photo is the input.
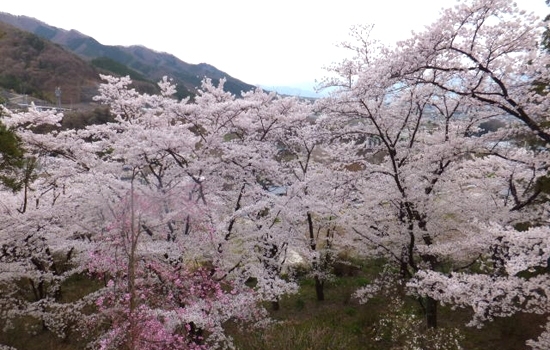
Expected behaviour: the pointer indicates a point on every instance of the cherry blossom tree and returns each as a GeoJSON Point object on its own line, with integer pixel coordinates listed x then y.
{"type": "Point", "coordinates": [38, 254]}
{"type": "Point", "coordinates": [488, 51]}
{"type": "Point", "coordinates": [156, 296]}
{"type": "Point", "coordinates": [312, 198]}
{"type": "Point", "coordinates": [237, 158]}
{"type": "Point", "coordinates": [437, 198]}
{"type": "Point", "coordinates": [213, 210]}
{"type": "Point", "coordinates": [170, 205]}
{"type": "Point", "coordinates": [402, 148]}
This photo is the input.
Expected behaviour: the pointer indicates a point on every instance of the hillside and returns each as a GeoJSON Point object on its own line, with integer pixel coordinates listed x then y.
{"type": "Point", "coordinates": [34, 66]}
{"type": "Point", "coordinates": [149, 64]}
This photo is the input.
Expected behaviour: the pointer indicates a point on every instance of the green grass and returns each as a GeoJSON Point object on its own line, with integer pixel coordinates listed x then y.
{"type": "Point", "coordinates": [339, 322]}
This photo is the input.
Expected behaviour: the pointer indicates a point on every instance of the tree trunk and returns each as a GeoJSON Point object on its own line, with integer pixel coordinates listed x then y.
{"type": "Point", "coordinates": [319, 288]}
{"type": "Point", "coordinates": [431, 312]}
{"type": "Point", "coordinates": [196, 334]}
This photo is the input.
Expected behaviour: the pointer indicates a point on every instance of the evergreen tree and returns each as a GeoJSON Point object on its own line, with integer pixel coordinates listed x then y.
{"type": "Point", "coordinates": [12, 159]}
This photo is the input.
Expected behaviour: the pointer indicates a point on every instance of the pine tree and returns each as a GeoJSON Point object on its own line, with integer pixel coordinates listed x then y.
{"type": "Point", "coordinates": [12, 159]}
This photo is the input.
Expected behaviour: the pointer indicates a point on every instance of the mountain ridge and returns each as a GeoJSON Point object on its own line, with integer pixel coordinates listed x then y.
{"type": "Point", "coordinates": [151, 64]}
{"type": "Point", "coordinates": [34, 66]}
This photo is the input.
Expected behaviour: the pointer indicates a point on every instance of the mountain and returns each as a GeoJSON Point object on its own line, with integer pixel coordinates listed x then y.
{"type": "Point", "coordinates": [300, 90]}
{"type": "Point", "coordinates": [34, 66]}
{"type": "Point", "coordinates": [146, 64]}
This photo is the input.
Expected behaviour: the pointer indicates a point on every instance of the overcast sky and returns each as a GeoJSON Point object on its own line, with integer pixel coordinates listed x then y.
{"type": "Point", "coordinates": [281, 42]}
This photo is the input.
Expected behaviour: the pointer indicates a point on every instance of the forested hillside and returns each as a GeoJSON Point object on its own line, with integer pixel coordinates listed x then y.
{"type": "Point", "coordinates": [147, 63]}
{"type": "Point", "coordinates": [34, 66]}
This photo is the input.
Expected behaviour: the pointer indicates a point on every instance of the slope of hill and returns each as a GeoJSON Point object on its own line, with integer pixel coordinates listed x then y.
{"type": "Point", "coordinates": [34, 66]}
{"type": "Point", "coordinates": [150, 64]}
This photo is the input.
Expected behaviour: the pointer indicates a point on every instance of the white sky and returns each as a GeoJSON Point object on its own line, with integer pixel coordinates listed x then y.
{"type": "Point", "coordinates": [278, 42]}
